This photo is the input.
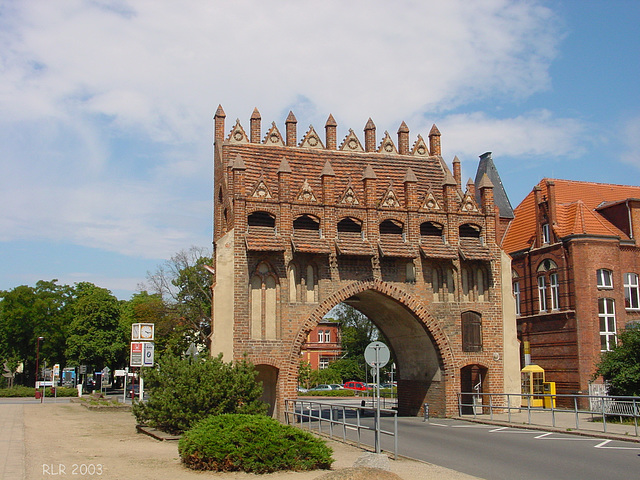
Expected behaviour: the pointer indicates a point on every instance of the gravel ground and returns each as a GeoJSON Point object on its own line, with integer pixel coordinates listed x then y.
{"type": "Point", "coordinates": [67, 441]}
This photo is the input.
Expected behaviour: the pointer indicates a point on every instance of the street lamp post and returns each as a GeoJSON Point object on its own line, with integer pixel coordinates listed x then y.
{"type": "Point", "coordinates": [38, 359]}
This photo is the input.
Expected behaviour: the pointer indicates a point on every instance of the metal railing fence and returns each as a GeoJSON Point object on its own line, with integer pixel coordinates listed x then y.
{"type": "Point", "coordinates": [342, 418]}
{"type": "Point", "coordinates": [600, 408]}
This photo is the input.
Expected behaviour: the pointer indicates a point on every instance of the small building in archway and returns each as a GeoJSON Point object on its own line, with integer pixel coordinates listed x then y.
{"type": "Point", "coordinates": [301, 225]}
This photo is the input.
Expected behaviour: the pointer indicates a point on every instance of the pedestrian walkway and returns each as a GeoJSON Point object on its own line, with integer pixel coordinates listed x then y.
{"type": "Point", "coordinates": [12, 449]}
{"type": "Point", "coordinates": [561, 421]}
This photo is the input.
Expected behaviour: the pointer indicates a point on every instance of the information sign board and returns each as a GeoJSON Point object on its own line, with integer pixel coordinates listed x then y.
{"type": "Point", "coordinates": [148, 348]}
{"type": "Point", "coordinates": [135, 359]}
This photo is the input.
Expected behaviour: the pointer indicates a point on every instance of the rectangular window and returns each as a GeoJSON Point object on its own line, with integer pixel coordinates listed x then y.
{"type": "Point", "coordinates": [320, 336]}
{"type": "Point", "coordinates": [554, 290]}
{"type": "Point", "coordinates": [631, 291]}
{"type": "Point", "coordinates": [604, 278]}
{"type": "Point", "coordinates": [516, 294]}
{"type": "Point", "coordinates": [607, 317]}
{"type": "Point", "coordinates": [542, 294]}
{"type": "Point", "coordinates": [323, 363]}
{"type": "Point", "coordinates": [327, 336]}
{"type": "Point", "coordinates": [546, 237]}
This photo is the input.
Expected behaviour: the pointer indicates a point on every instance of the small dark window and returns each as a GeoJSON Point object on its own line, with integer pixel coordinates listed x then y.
{"type": "Point", "coordinates": [391, 227]}
{"type": "Point", "coordinates": [349, 225]}
{"type": "Point", "coordinates": [261, 219]}
{"type": "Point", "coordinates": [430, 229]}
{"type": "Point", "coordinates": [305, 222]}
{"type": "Point", "coordinates": [469, 231]}
{"type": "Point", "coordinates": [471, 332]}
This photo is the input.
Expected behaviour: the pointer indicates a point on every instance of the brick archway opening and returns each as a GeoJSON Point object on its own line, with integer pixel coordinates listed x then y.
{"type": "Point", "coordinates": [418, 361]}
{"type": "Point", "coordinates": [420, 368]}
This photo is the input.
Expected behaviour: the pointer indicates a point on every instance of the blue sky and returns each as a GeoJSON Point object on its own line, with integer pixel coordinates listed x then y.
{"type": "Point", "coordinates": [106, 107]}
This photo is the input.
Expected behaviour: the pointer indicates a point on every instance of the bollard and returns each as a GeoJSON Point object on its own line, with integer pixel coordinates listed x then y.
{"type": "Point", "coordinates": [426, 412]}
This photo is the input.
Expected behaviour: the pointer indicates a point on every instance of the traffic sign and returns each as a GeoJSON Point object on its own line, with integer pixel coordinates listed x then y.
{"type": "Point", "coordinates": [377, 354]}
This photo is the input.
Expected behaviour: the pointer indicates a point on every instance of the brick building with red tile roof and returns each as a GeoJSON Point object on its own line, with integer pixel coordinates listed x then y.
{"type": "Point", "coordinates": [576, 262]}
{"type": "Point", "coordinates": [302, 225]}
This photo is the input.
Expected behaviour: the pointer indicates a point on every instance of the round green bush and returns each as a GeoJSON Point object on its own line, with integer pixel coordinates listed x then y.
{"type": "Point", "coordinates": [251, 443]}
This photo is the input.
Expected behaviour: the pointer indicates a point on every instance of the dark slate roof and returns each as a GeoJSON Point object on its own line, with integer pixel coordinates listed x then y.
{"type": "Point", "coordinates": [499, 194]}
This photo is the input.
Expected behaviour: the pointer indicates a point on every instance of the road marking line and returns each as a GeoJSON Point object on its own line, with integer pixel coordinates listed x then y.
{"type": "Point", "coordinates": [543, 435]}
{"type": "Point", "coordinates": [606, 442]}
{"type": "Point", "coordinates": [438, 424]}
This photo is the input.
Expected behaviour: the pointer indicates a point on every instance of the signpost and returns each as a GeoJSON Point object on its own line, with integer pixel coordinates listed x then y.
{"type": "Point", "coordinates": [377, 355]}
{"type": "Point", "coordinates": [142, 349]}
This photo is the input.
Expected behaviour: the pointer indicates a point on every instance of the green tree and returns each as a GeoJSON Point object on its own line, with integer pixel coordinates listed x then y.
{"type": "Point", "coordinates": [184, 284]}
{"type": "Point", "coordinates": [27, 313]}
{"type": "Point", "coordinates": [96, 335]}
{"type": "Point", "coordinates": [183, 391]}
{"type": "Point", "coordinates": [620, 367]}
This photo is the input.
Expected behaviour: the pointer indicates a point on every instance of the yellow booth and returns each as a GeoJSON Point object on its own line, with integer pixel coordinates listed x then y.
{"type": "Point", "coordinates": [534, 387]}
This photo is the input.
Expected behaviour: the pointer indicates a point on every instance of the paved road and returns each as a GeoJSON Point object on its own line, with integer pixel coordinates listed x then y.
{"type": "Point", "coordinates": [498, 452]}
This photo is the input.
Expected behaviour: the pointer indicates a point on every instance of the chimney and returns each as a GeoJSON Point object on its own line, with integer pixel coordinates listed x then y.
{"type": "Point", "coordinates": [551, 192]}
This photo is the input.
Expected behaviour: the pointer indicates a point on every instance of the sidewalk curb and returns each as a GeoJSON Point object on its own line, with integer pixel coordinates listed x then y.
{"type": "Point", "coordinates": [543, 428]}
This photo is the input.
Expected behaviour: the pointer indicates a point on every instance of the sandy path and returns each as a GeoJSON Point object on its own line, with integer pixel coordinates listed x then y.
{"type": "Point", "coordinates": [67, 441]}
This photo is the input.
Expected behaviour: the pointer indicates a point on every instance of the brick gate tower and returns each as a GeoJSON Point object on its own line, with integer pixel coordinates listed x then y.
{"type": "Point", "coordinates": [301, 225]}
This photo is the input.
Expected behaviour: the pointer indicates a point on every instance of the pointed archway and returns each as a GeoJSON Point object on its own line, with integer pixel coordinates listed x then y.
{"type": "Point", "coordinates": [418, 344]}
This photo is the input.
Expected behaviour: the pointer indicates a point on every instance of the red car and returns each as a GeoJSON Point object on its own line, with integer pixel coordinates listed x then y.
{"type": "Point", "coordinates": [360, 386]}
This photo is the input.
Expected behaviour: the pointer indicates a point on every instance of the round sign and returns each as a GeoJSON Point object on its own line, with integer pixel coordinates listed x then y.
{"type": "Point", "coordinates": [377, 354]}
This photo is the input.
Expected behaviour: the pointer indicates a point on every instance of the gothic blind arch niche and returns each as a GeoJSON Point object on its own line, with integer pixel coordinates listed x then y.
{"type": "Point", "coordinates": [263, 286]}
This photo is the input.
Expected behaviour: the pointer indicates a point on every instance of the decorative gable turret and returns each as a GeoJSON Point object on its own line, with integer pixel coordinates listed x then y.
{"type": "Point", "coordinates": [261, 190]}
{"type": "Point", "coordinates": [387, 145]}
{"type": "Point", "coordinates": [351, 143]}
{"type": "Point", "coordinates": [306, 193]}
{"type": "Point", "coordinates": [348, 196]}
{"type": "Point", "coordinates": [389, 199]}
{"type": "Point", "coordinates": [273, 136]}
{"type": "Point", "coordinates": [311, 139]}
{"type": "Point", "coordinates": [420, 147]}
{"type": "Point", "coordinates": [238, 135]}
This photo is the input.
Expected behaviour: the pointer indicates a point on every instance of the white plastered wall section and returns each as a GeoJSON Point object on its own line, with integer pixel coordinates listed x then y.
{"type": "Point", "coordinates": [511, 349]}
{"type": "Point", "coordinates": [223, 298]}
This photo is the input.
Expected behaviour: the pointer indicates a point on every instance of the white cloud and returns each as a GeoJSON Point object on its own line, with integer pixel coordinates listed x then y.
{"type": "Point", "coordinates": [631, 142]}
{"type": "Point", "coordinates": [81, 81]}
{"type": "Point", "coordinates": [536, 133]}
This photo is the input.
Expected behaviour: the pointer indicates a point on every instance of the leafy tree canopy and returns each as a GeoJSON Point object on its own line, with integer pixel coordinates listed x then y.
{"type": "Point", "coordinates": [96, 336]}
{"type": "Point", "coordinates": [620, 367]}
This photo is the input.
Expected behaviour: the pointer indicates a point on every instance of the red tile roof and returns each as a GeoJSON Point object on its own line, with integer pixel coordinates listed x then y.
{"type": "Point", "coordinates": [576, 213]}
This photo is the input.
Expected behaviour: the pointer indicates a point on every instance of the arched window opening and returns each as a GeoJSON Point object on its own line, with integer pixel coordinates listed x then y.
{"type": "Point", "coordinates": [306, 222]}
{"type": "Point", "coordinates": [431, 229]}
{"type": "Point", "coordinates": [349, 225]}
{"type": "Point", "coordinates": [391, 227]}
{"type": "Point", "coordinates": [261, 219]}
{"type": "Point", "coordinates": [469, 231]}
